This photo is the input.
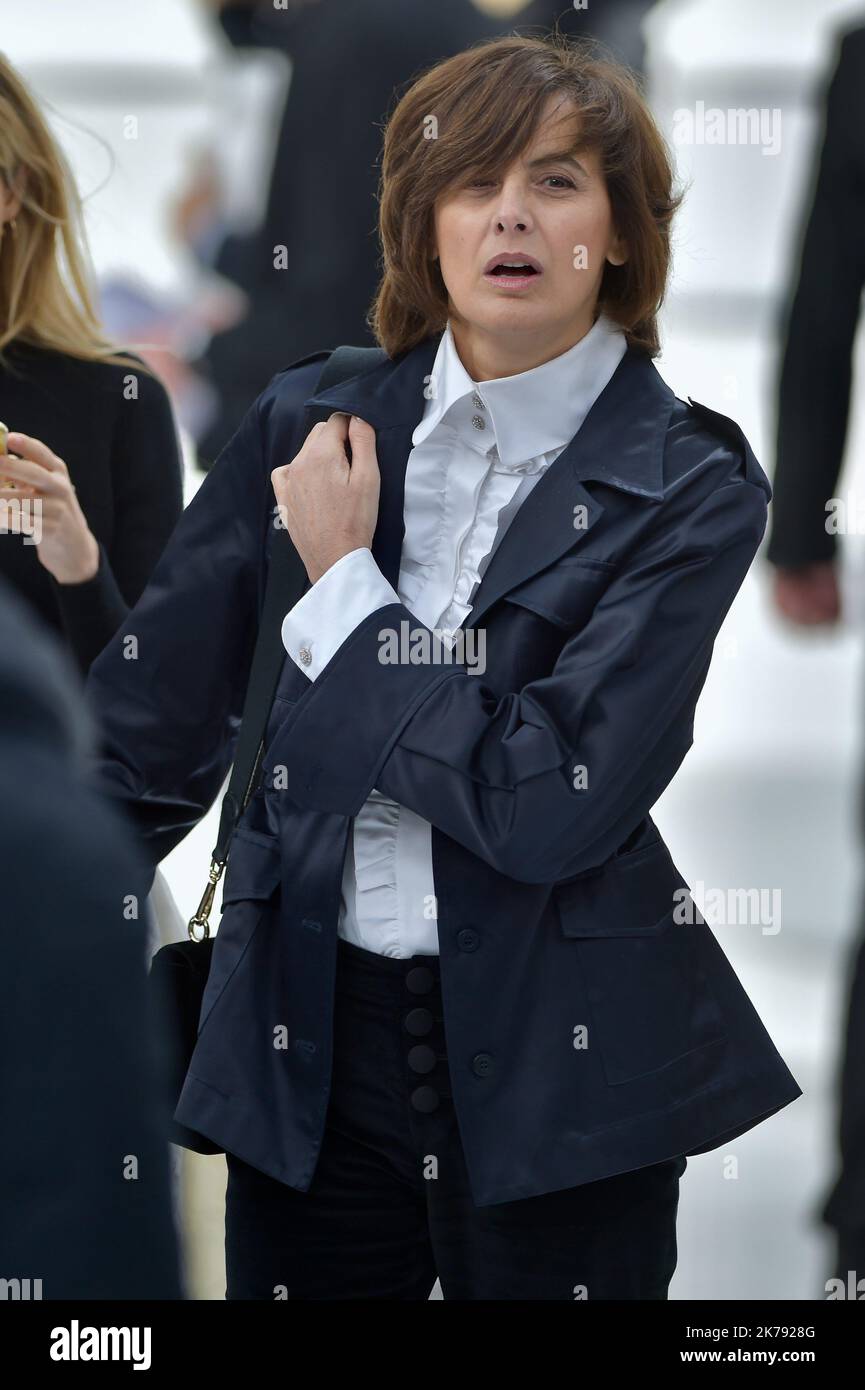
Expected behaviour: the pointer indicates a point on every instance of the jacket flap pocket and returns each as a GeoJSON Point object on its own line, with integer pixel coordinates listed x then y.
{"type": "Point", "coordinates": [254, 866]}
{"type": "Point", "coordinates": [635, 894]}
{"type": "Point", "coordinates": [566, 594]}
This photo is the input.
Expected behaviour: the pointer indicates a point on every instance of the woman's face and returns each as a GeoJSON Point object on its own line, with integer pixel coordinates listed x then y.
{"type": "Point", "coordinates": [555, 210]}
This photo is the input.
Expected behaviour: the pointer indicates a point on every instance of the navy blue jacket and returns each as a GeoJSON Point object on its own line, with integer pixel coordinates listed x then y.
{"type": "Point", "coordinates": [555, 891]}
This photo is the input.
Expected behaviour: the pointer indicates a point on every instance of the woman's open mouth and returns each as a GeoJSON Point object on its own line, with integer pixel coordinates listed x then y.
{"type": "Point", "coordinates": [513, 275]}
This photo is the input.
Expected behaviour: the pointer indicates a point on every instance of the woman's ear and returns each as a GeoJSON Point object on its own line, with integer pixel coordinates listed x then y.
{"type": "Point", "coordinates": [617, 252]}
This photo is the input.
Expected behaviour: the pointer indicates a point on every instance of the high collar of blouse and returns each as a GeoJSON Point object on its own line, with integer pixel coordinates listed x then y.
{"type": "Point", "coordinates": [517, 420]}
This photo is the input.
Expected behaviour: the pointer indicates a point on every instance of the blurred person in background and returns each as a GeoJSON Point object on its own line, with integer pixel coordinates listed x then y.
{"type": "Point", "coordinates": [616, 23]}
{"type": "Point", "coordinates": [821, 317]}
{"type": "Point", "coordinates": [85, 1200]}
{"type": "Point", "coordinates": [96, 484]}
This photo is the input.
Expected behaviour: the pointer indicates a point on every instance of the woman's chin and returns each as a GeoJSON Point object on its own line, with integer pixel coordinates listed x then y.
{"type": "Point", "coordinates": [503, 314]}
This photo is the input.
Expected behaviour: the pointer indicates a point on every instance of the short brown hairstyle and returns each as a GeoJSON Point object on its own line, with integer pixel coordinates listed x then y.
{"type": "Point", "coordinates": [488, 102]}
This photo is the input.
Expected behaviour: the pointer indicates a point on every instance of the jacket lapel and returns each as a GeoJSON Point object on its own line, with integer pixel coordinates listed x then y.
{"type": "Point", "coordinates": [620, 443]}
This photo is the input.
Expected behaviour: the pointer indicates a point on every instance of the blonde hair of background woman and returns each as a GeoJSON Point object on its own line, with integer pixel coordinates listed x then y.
{"type": "Point", "coordinates": [46, 276]}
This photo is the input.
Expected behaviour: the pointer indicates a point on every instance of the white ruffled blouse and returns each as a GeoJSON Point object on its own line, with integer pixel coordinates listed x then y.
{"type": "Point", "coordinates": [477, 452]}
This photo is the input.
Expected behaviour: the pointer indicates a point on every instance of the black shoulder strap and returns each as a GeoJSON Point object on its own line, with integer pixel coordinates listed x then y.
{"type": "Point", "coordinates": [287, 580]}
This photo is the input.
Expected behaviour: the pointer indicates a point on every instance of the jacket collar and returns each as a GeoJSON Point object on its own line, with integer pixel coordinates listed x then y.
{"type": "Point", "coordinates": [620, 443]}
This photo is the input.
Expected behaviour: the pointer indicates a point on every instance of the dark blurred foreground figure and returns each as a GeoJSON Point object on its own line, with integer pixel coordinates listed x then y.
{"type": "Point", "coordinates": [85, 1203]}
{"type": "Point", "coordinates": [822, 316]}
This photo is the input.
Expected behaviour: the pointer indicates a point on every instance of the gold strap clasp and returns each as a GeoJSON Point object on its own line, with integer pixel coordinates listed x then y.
{"type": "Point", "coordinates": [202, 916]}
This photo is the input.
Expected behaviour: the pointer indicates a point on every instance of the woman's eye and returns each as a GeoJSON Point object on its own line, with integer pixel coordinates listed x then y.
{"type": "Point", "coordinates": [563, 181]}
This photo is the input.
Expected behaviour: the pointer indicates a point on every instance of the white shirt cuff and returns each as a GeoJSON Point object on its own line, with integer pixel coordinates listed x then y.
{"type": "Point", "coordinates": [318, 624]}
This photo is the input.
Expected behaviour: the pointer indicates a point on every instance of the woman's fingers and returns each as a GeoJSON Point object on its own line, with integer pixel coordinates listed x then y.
{"type": "Point", "coordinates": [364, 460]}
{"type": "Point", "coordinates": [326, 443]}
{"type": "Point", "coordinates": [329, 438]}
{"type": "Point", "coordinates": [38, 465]}
{"type": "Point", "coordinates": [30, 448]}
{"type": "Point", "coordinates": [329, 441]}
{"type": "Point", "coordinates": [10, 488]}
{"type": "Point", "coordinates": [33, 474]}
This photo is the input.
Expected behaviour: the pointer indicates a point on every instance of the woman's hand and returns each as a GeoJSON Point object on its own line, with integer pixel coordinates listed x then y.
{"type": "Point", "coordinates": [328, 505]}
{"type": "Point", "coordinates": [64, 542]}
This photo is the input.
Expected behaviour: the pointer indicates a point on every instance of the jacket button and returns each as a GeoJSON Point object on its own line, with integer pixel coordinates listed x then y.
{"type": "Point", "coordinates": [467, 939]}
{"type": "Point", "coordinates": [420, 980]}
{"type": "Point", "coordinates": [421, 1058]}
{"type": "Point", "coordinates": [482, 1064]}
{"type": "Point", "coordinates": [419, 1022]}
{"type": "Point", "coordinates": [425, 1098]}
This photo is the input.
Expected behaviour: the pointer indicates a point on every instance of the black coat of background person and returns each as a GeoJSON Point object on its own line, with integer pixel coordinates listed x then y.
{"type": "Point", "coordinates": [617, 23]}
{"type": "Point", "coordinates": [821, 320]}
{"type": "Point", "coordinates": [77, 1054]}
{"type": "Point", "coordinates": [124, 458]}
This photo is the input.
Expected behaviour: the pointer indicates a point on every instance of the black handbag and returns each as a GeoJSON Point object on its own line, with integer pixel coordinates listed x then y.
{"type": "Point", "coordinates": [179, 971]}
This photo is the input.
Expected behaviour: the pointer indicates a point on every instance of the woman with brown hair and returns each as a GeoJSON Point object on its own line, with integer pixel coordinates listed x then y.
{"type": "Point", "coordinates": [460, 1018]}
{"type": "Point", "coordinates": [92, 486]}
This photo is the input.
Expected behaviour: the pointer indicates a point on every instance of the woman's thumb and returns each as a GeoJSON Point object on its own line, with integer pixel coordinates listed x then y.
{"type": "Point", "coordinates": [362, 439]}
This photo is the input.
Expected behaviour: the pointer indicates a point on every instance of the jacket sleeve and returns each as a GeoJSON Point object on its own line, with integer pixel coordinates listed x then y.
{"type": "Point", "coordinates": [502, 775]}
{"type": "Point", "coordinates": [167, 691]}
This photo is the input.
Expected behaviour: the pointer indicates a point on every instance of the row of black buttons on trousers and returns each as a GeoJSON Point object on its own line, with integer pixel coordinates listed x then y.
{"type": "Point", "coordinates": [425, 1021]}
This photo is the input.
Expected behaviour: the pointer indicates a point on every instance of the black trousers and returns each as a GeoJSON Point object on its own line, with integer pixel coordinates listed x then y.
{"type": "Point", "coordinates": [390, 1206]}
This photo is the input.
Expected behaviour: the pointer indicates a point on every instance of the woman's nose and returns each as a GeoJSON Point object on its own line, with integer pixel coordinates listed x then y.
{"type": "Point", "coordinates": [512, 211]}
